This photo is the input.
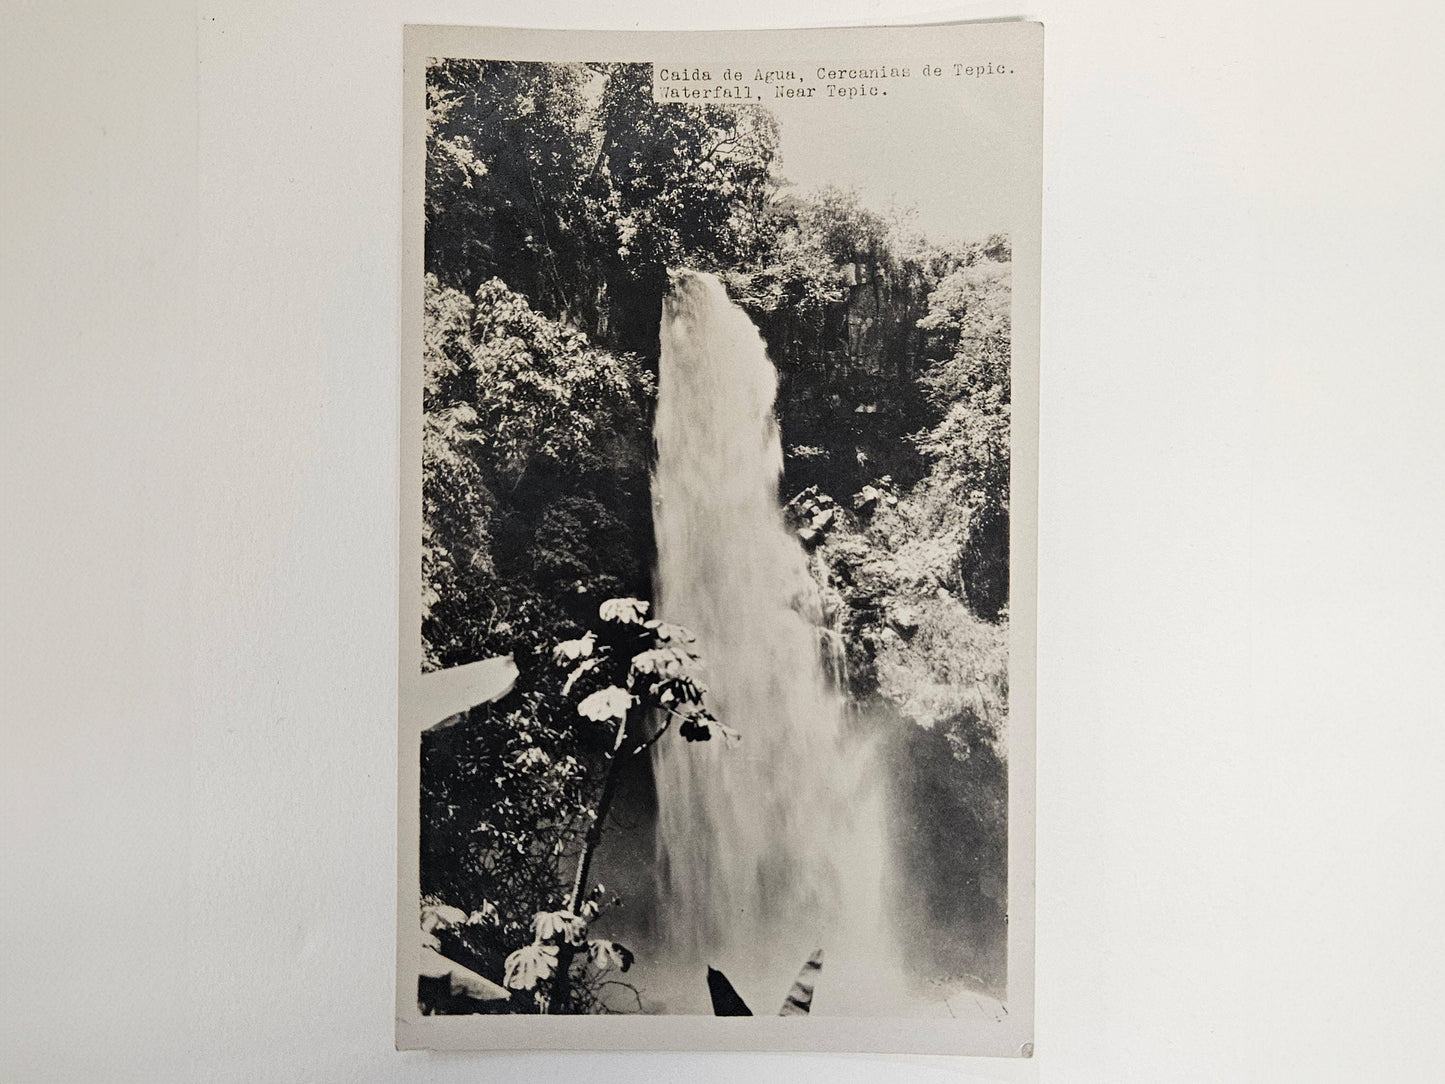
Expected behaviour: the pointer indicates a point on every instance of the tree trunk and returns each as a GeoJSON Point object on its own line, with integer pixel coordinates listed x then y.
{"type": "Point", "coordinates": [562, 987]}
{"type": "Point", "coordinates": [594, 834]}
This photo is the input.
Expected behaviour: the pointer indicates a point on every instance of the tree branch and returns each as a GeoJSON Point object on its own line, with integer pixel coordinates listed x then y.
{"type": "Point", "coordinates": [650, 742]}
{"type": "Point", "coordinates": [729, 143]}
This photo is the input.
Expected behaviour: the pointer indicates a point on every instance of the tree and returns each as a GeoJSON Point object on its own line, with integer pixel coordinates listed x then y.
{"type": "Point", "coordinates": [638, 671]}
{"type": "Point", "coordinates": [572, 186]}
{"type": "Point", "coordinates": [535, 498]}
{"type": "Point", "coordinates": [507, 192]}
{"type": "Point", "coordinates": [535, 508]}
{"type": "Point", "coordinates": [688, 184]}
{"type": "Point", "coordinates": [968, 382]}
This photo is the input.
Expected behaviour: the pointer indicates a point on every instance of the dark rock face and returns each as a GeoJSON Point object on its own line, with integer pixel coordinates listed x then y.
{"type": "Point", "coordinates": [904, 620]}
{"type": "Point", "coordinates": [812, 515]}
{"type": "Point", "coordinates": [866, 501]}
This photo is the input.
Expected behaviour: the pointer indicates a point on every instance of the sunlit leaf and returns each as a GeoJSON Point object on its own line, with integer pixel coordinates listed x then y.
{"type": "Point", "coordinates": [560, 926]}
{"type": "Point", "coordinates": [605, 954]}
{"type": "Point", "coordinates": [584, 667]}
{"type": "Point", "coordinates": [607, 704]}
{"type": "Point", "coordinates": [442, 916]}
{"type": "Point", "coordinates": [623, 611]}
{"type": "Point", "coordinates": [669, 633]}
{"type": "Point", "coordinates": [663, 662]}
{"type": "Point", "coordinates": [531, 758]}
{"type": "Point", "coordinates": [530, 965]}
{"type": "Point", "coordinates": [571, 650]}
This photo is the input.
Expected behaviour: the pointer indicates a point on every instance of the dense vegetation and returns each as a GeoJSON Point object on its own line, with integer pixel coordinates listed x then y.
{"type": "Point", "coordinates": [557, 196]}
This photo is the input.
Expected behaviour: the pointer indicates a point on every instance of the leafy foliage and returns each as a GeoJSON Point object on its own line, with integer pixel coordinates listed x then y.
{"type": "Point", "coordinates": [571, 185]}
{"type": "Point", "coordinates": [636, 668]}
{"type": "Point", "coordinates": [968, 323]}
{"type": "Point", "coordinates": [522, 788]}
{"type": "Point", "coordinates": [504, 191]}
{"type": "Point", "coordinates": [640, 682]}
{"type": "Point", "coordinates": [505, 798]}
{"type": "Point", "coordinates": [530, 965]}
{"type": "Point", "coordinates": [528, 431]}
{"type": "Point", "coordinates": [560, 950]}
{"type": "Point", "coordinates": [623, 611]}
{"type": "Point", "coordinates": [609, 954]}
{"type": "Point", "coordinates": [609, 705]}
{"type": "Point", "coordinates": [688, 184]}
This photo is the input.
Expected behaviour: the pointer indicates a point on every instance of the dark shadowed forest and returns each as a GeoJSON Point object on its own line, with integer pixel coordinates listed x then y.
{"type": "Point", "coordinates": [558, 197]}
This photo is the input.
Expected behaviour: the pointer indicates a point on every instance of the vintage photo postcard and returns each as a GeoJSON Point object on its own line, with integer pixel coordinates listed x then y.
{"type": "Point", "coordinates": [718, 520]}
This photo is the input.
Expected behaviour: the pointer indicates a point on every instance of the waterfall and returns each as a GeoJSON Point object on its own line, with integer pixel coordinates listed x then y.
{"type": "Point", "coordinates": [776, 844]}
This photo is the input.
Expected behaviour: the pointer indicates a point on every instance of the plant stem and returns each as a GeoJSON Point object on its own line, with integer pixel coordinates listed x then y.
{"type": "Point", "coordinates": [594, 833]}
{"type": "Point", "coordinates": [562, 987]}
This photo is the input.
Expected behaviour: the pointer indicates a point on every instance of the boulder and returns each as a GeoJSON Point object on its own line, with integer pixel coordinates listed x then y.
{"type": "Point", "coordinates": [905, 620]}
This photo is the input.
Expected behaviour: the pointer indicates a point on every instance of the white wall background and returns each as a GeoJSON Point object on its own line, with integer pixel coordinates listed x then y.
{"type": "Point", "coordinates": [1241, 819]}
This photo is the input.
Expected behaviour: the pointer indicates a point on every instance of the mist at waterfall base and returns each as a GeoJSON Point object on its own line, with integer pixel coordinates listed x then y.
{"type": "Point", "coordinates": [805, 833]}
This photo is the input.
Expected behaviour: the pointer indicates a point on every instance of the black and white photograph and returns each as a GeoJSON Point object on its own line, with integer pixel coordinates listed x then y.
{"type": "Point", "coordinates": [716, 702]}
{"type": "Point", "coordinates": [709, 543]}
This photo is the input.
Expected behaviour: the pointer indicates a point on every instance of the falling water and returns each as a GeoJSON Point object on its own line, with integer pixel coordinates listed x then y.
{"type": "Point", "coordinates": [777, 844]}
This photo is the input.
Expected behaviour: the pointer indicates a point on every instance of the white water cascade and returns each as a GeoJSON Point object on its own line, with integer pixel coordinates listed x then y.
{"type": "Point", "coordinates": [777, 844]}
